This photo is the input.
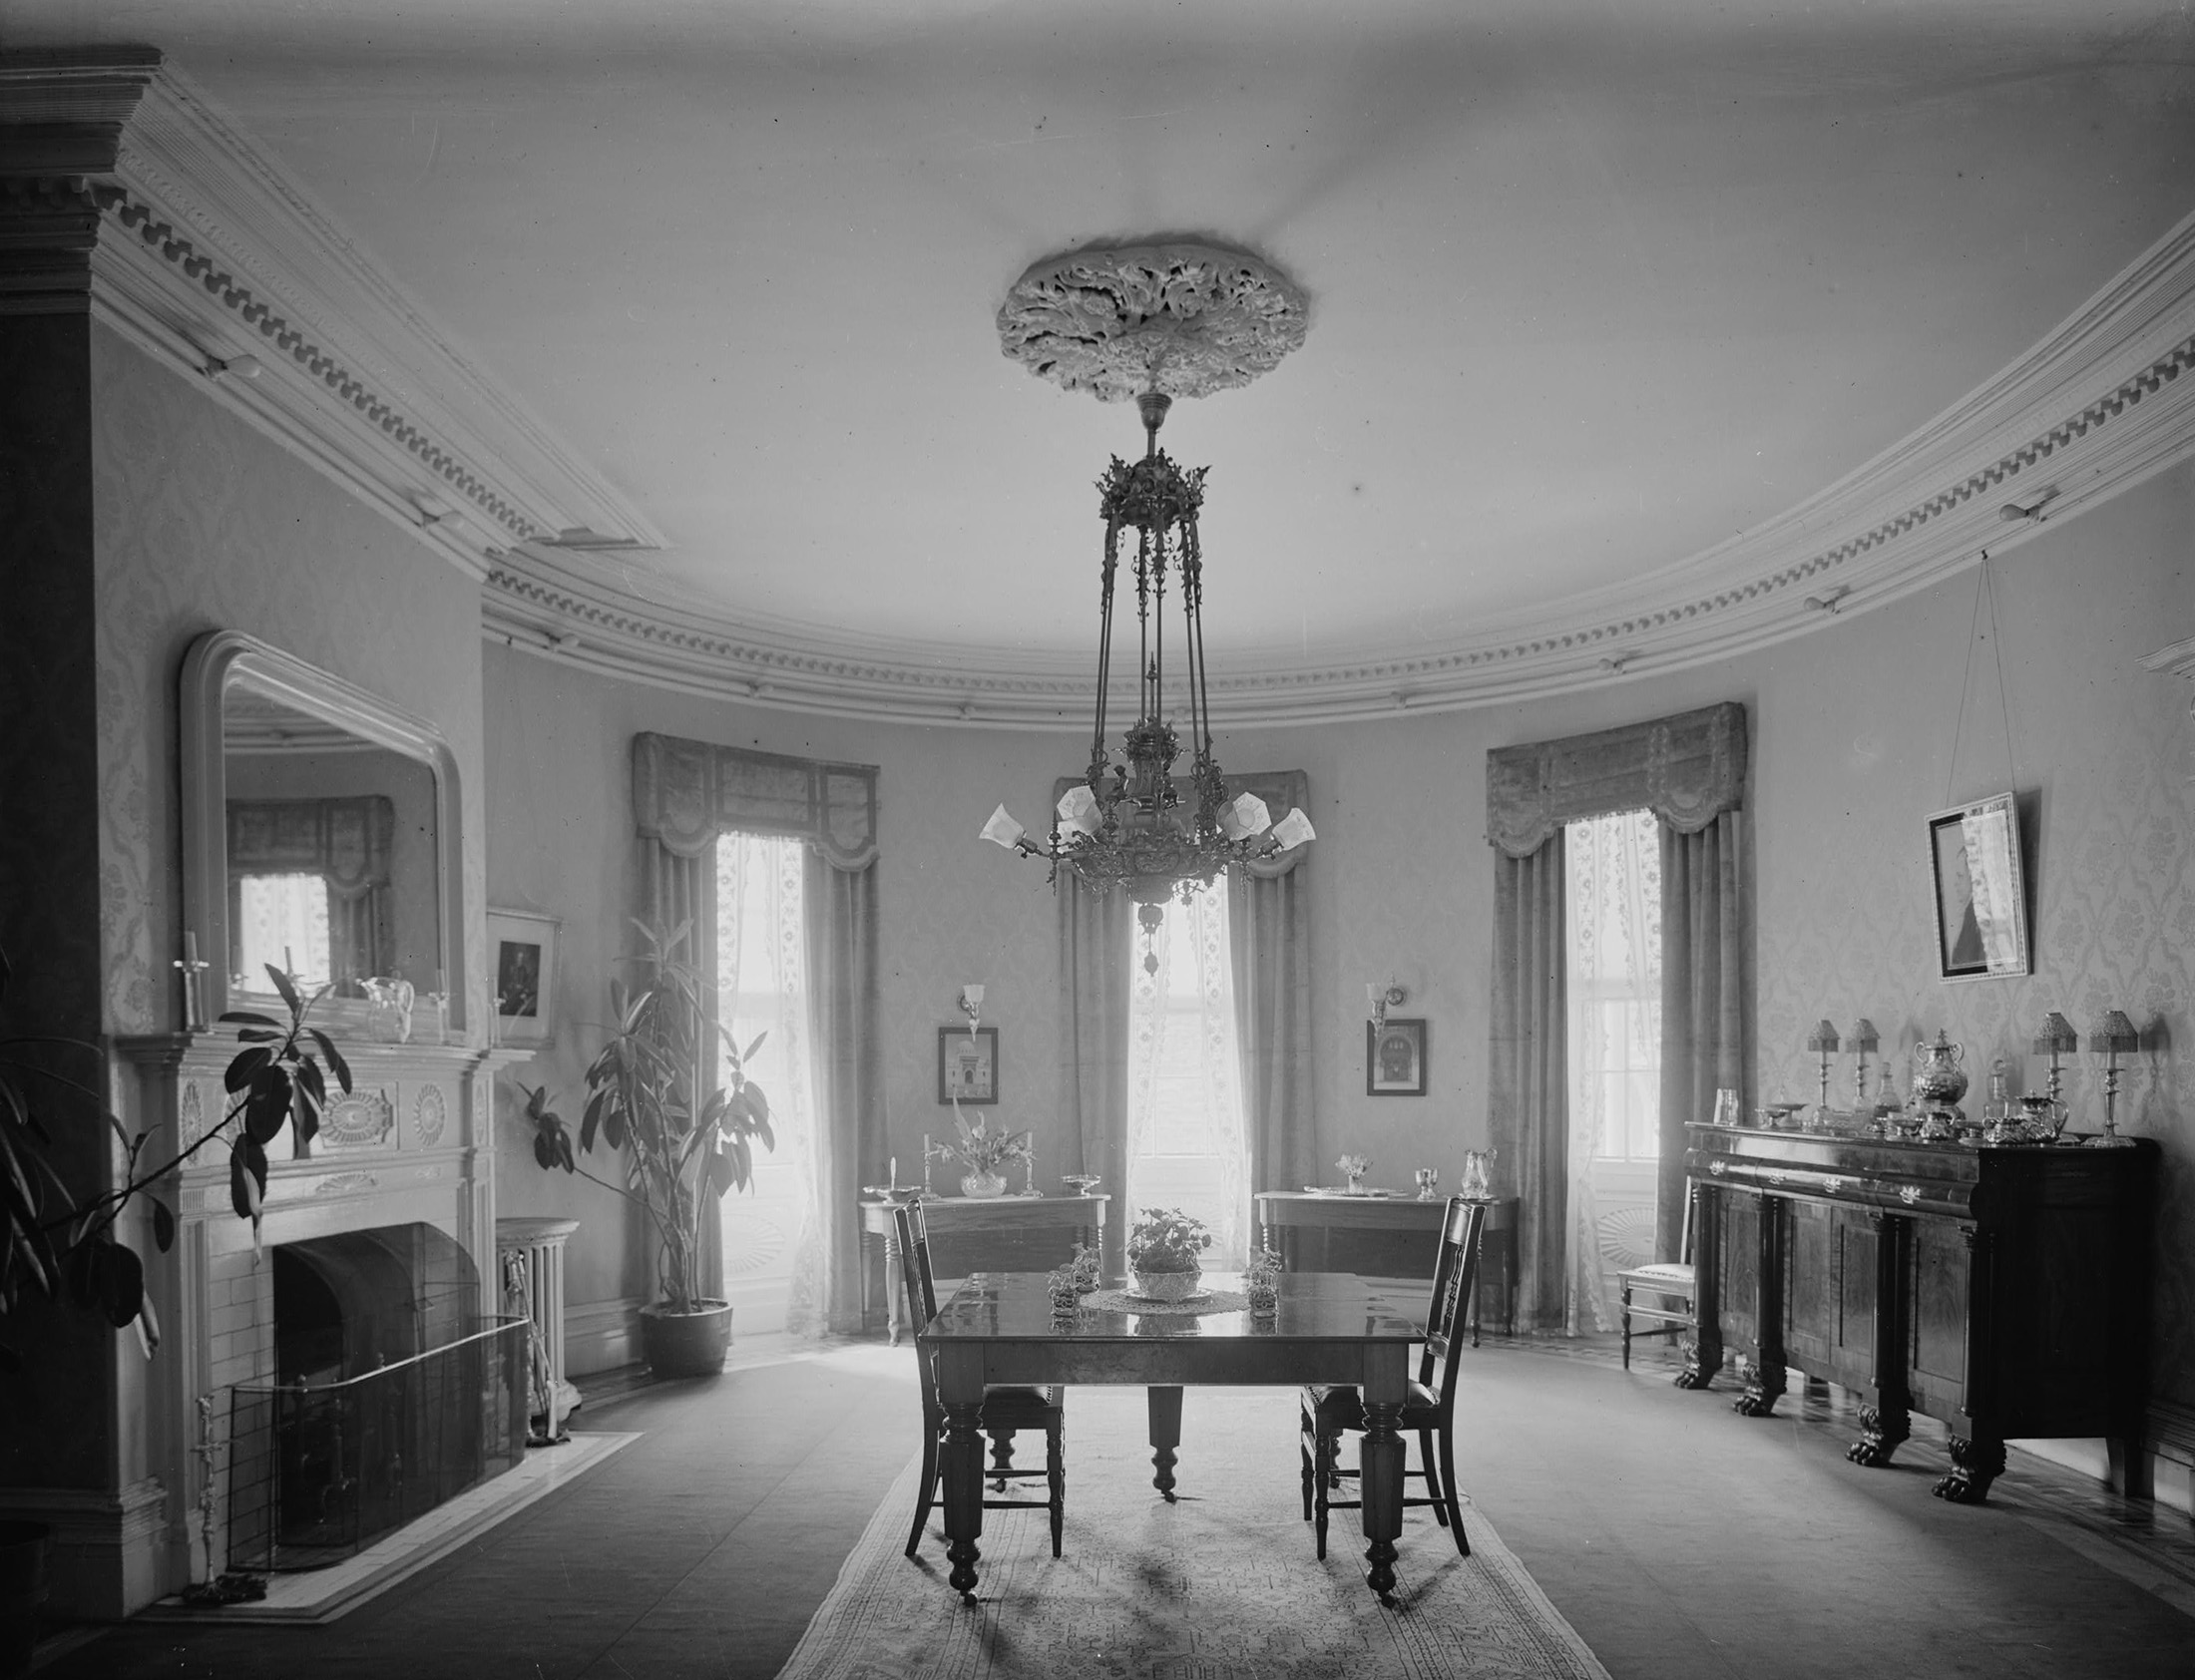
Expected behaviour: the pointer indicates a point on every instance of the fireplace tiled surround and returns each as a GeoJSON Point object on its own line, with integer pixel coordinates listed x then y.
{"type": "Point", "coordinates": [411, 1143]}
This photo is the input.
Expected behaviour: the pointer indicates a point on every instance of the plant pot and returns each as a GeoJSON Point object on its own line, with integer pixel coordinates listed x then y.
{"type": "Point", "coordinates": [982, 1185]}
{"type": "Point", "coordinates": [685, 1344]}
{"type": "Point", "coordinates": [22, 1590]}
{"type": "Point", "coordinates": [1167, 1286]}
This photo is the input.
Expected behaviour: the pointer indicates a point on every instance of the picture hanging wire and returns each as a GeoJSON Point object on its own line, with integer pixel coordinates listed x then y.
{"type": "Point", "coordinates": [1984, 593]}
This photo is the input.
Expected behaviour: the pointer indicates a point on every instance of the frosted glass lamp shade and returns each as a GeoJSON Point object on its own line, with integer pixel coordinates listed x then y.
{"type": "Point", "coordinates": [1293, 831]}
{"type": "Point", "coordinates": [1002, 830]}
{"type": "Point", "coordinates": [1077, 811]}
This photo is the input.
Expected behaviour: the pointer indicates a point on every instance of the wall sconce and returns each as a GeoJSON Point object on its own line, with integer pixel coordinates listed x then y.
{"type": "Point", "coordinates": [2057, 1038]}
{"type": "Point", "coordinates": [971, 1004]}
{"type": "Point", "coordinates": [1863, 1039]}
{"type": "Point", "coordinates": [2113, 1037]}
{"type": "Point", "coordinates": [1380, 999]}
{"type": "Point", "coordinates": [1822, 1040]}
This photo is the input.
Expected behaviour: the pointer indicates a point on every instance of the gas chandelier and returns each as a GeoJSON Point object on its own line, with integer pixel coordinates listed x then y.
{"type": "Point", "coordinates": [1184, 319]}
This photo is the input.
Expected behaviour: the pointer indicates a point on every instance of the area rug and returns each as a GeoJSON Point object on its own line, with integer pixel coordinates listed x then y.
{"type": "Point", "coordinates": [1222, 1585]}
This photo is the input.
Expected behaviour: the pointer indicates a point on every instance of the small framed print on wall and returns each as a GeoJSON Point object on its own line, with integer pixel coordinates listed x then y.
{"type": "Point", "coordinates": [967, 1065]}
{"type": "Point", "coordinates": [1981, 890]}
{"type": "Point", "coordinates": [1393, 1058]}
{"type": "Point", "coordinates": [522, 961]}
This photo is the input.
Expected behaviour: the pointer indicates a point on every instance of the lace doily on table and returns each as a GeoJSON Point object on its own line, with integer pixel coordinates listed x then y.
{"type": "Point", "coordinates": [1210, 1301]}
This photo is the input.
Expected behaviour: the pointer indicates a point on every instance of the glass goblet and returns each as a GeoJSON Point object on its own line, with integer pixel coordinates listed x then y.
{"type": "Point", "coordinates": [1428, 1178]}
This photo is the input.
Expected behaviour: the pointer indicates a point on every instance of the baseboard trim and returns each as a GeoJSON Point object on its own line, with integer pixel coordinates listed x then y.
{"type": "Point", "coordinates": [601, 1335]}
{"type": "Point", "coordinates": [104, 1561]}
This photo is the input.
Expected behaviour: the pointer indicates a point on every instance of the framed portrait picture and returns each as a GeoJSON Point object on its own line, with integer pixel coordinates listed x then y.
{"type": "Point", "coordinates": [1393, 1058]}
{"type": "Point", "coordinates": [522, 969]}
{"type": "Point", "coordinates": [967, 1065]}
{"type": "Point", "coordinates": [1981, 890]}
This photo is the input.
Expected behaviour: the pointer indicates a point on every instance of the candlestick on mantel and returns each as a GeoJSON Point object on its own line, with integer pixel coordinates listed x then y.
{"type": "Point", "coordinates": [925, 1164]}
{"type": "Point", "coordinates": [193, 986]}
{"type": "Point", "coordinates": [892, 1177]}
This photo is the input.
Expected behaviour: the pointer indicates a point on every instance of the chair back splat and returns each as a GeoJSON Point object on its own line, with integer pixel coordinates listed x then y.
{"type": "Point", "coordinates": [1007, 1409]}
{"type": "Point", "coordinates": [1331, 1410]}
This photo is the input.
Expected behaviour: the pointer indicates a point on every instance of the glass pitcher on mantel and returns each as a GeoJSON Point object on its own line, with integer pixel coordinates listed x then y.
{"type": "Point", "coordinates": [1478, 1174]}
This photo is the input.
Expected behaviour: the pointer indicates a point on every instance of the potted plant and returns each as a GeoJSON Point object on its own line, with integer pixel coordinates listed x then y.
{"type": "Point", "coordinates": [1164, 1247]}
{"type": "Point", "coordinates": [683, 1149]}
{"type": "Point", "coordinates": [983, 1152]}
{"type": "Point", "coordinates": [61, 1244]}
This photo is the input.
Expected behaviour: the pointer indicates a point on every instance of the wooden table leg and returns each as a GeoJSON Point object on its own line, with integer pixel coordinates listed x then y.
{"type": "Point", "coordinates": [1165, 1436]}
{"type": "Point", "coordinates": [1380, 1465]}
{"type": "Point", "coordinates": [960, 1390]}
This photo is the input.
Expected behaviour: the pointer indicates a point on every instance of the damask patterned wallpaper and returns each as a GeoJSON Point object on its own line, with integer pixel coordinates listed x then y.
{"type": "Point", "coordinates": [204, 524]}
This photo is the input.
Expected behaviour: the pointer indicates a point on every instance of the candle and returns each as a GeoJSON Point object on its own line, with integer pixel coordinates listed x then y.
{"type": "Point", "coordinates": [894, 1178]}
{"type": "Point", "coordinates": [438, 986]}
{"type": "Point", "coordinates": [288, 967]}
{"type": "Point", "coordinates": [189, 946]}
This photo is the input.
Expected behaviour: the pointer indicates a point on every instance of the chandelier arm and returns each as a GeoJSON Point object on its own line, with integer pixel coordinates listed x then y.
{"type": "Point", "coordinates": [1200, 707]}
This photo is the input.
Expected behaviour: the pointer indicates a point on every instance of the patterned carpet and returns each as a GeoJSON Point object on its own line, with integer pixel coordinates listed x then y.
{"type": "Point", "coordinates": [1220, 1586]}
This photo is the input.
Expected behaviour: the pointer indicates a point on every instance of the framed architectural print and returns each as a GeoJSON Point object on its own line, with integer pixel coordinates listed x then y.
{"type": "Point", "coordinates": [1393, 1058]}
{"type": "Point", "coordinates": [967, 1065]}
{"type": "Point", "coordinates": [522, 965]}
{"type": "Point", "coordinates": [1981, 890]}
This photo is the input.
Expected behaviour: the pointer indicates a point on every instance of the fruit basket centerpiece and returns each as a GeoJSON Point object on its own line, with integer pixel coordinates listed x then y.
{"type": "Point", "coordinates": [1164, 1249]}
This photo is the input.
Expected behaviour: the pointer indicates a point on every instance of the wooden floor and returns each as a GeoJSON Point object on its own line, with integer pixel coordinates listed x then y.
{"type": "Point", "coordinates": [1681, 1540]}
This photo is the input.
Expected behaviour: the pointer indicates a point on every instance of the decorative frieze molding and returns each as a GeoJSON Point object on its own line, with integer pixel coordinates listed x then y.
{"type": "Point", "coordinates": [2094, 408]}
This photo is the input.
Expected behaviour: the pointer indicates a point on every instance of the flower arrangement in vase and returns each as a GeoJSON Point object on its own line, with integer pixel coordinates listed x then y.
{"type": "Point", "coordinates": [1262, 1280]}
{"type": "Point", "coordinates": [1163, 1253]}
{"type": "Point", "coordinates": [1352, 1169]}
{"type": "Point", "coordinates": [984, 1152]}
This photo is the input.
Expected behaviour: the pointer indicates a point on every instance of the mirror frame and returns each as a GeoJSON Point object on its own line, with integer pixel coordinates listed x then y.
{"type": "Point", "coordinates": [213, 663]}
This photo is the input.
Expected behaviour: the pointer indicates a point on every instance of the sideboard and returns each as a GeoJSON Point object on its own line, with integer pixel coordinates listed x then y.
{"type": "Point", "coordinates": [983, 1233]}
{"type": "Point", "coordinates": [2003, 1291]}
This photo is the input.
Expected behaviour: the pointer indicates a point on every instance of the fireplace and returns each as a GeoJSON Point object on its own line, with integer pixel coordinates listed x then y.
{"type": "Point", "coordinates": [370, 1282]}
{"type": "Point", "coordinates": [391, 1394]}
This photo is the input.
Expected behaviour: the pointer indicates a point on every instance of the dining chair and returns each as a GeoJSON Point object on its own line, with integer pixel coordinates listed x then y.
{"type": "Point", "coordinates": [1006, 1407]}
{"type": "Point", "coordinates": [1673, 1285]}
{"type": "Point", "coordinates": [1331, 1410]}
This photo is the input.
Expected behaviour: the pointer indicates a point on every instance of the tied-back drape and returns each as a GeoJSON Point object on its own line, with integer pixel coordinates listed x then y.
{"type": "Point", "coordinates": [685, 794]}
{"type": "Point", "coordinates": [1689, 771]}
{"type": "Point", "coordinates": [1702, 996]}
{"type": "Point", "coordinates": [1270, 928]}
{"type": "Point", "coordinates": [1094, 992]}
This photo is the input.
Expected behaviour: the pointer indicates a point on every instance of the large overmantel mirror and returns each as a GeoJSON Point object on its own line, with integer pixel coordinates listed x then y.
{"type": "Point", "coordinates": [319, 834]}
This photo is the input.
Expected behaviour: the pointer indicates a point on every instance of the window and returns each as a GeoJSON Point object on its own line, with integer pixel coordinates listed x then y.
{"type": "Point", "coordinates": [1186, 1141]}
{"type": "Point", "coordinates": [282, 922]}
{"type": "Point", "coordinates": [761, 989]}
{"type": "Point", "coordinates": [1613, 906]}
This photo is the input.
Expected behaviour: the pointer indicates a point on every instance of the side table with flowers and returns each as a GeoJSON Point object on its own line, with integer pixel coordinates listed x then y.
{"type": "Point", "coordinates": [1165, 1250]}
{"type": "Point", "coordinates": [984, 1152]}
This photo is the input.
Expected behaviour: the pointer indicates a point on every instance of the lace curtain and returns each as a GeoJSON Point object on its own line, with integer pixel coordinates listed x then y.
{"type": "Point", "coordinates": [1612, 869]}
{"type": "Point", "coordinates": [1203, 1037]}
{"type": "Point", "coordinates": [763, 981]}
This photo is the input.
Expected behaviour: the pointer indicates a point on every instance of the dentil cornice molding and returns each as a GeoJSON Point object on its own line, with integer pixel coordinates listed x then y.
{"type": "Point", "coordinates": [212, 259]}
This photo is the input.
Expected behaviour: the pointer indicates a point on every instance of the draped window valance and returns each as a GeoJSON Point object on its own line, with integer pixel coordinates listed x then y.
{"type": "Point", "coordinates": [346, 842]}
{"type": "Point", "coordinates": [1687, 769]}
{"type": "Point", "coordinates": [686, 793]}
{"type": "Point", "coordinates": [1282, 791]}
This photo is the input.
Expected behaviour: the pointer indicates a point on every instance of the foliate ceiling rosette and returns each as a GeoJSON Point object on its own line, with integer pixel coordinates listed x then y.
{"type": "Point", "coordinates": [1184, 318]}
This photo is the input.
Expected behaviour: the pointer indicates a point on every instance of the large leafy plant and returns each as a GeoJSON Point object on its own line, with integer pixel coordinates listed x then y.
{"type": "Point", "coordinates": [683, 1149]}
{"type": "Point", "coordinates": [63, 1244]}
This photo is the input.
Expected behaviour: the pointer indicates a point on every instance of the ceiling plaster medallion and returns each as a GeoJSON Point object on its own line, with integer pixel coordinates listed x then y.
{"type": "Point", "coordinates": [1184, 318]}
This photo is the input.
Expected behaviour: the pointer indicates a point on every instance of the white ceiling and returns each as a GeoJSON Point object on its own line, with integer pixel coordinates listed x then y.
{"type": "Point", "coordinates": [1595, 286]}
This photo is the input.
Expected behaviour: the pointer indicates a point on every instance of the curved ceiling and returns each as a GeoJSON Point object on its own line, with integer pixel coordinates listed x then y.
{"type": "Point", "coordinates": [1595, 291]}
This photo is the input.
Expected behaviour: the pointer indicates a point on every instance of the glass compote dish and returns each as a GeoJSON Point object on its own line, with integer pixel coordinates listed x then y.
{"type": "Point", "coordinates": [1428, 1180]}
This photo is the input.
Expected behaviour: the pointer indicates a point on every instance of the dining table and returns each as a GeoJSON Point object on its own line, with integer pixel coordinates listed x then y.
{"type": "Point", "coordinates": [1327, 1326]}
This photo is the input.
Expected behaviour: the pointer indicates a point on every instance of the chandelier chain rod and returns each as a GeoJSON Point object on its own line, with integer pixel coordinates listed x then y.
{"type": "Point", "coordinates": [1104, 648]}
